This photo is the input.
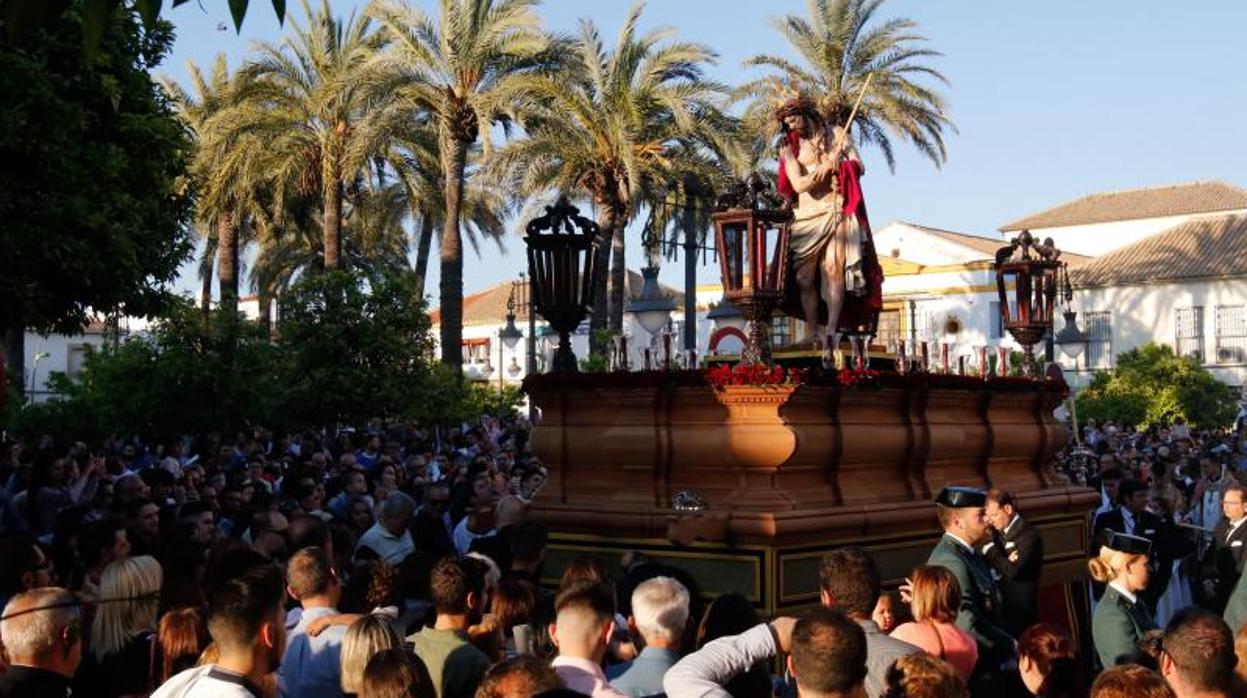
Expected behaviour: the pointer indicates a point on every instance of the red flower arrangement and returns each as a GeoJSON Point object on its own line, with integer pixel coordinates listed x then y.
{"type": "Point", "coordinates": [753, 374]}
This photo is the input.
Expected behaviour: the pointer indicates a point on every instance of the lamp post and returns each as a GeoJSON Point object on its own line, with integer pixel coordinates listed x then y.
{"type": "Point", "coordinates": [753, 263]}
{"type": "Point", "coordinates": [562, 249]}
{"type": "Point", "coordinates": [1071, 339]}
{"type": "Point", "coordinates": [1033, 270]}
{"type": "Point", "coordinates": [651, 309]}
{"type": "Point", "coordinates": [510, 336]}
{"type": "Point", "coordinates": [34, 369]}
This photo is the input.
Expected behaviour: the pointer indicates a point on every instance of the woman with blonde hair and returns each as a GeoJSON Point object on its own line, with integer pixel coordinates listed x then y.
{"type": "Point", "coordinates": [934, 599]}
{"type": "Point", "coordinates": [124, 657]}
{"type": "Point", "coordinates": [364, 638]}
{"type": "Point", "coordinates": [1121, 618]}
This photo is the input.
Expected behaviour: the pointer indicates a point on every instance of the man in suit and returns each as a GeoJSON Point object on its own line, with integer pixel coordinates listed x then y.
{"type": "Point", "coordinates": [1014, 549]}
{"type": "Point", "coordinates": [1223, 564]}
{"type": "Point", "coordinates": [1132, 518]}
{"type": "Point", "coordinates": [962, 516]}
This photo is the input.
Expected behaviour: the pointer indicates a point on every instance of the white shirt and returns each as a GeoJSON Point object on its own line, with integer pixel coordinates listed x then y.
{"type": "Point", "coordinates": [312, 666]}
{"type": "Point", "coordinates": [1127, 520]}
{"type": "Point", "coordinates": [1234, 527]}
{"type": "Point", "coordinates": [463, 536]}
{"type": "Point", "coordinates": [957, 538]}
{"type": "Point", "coordinates": [207, 682]}
{"type": "Point", "coordinates": [391, 548]}
{"type": "Point", "coordinates": [1122, 590]}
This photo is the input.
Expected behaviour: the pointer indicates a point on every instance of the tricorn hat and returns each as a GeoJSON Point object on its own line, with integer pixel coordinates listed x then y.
{"type": "Point", "coordinates": [1125, 543]}
{"type": "Point", "coordinates": [961, 497]}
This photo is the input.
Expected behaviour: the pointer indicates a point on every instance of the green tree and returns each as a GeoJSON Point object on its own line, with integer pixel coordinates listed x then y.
{"type": "Point", "coordinates": [617, 126]}
{"type": "Point", "coordinates": [465, 71]}
{"type": "Point", "coordinates": [93, 202]}
{"type": "Point", "coordinates": [838, 45]}
{"type": "Point", "coordinates": [354, 347]}
{"type": "Point", "coordinates": [189, 374]}
{"type": "Point", "coordinates": [1151, 385]}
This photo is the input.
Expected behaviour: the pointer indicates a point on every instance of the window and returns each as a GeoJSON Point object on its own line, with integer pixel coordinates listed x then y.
{"type": "Point", "coordinates": [75, 359]}
{"type": "Point", "coordinates": [1189, 332]}
{"type": "Point", "coordinates": [781, 331]}
{"type": "Point", "coordinates": [1231, 334]}
{"type": "Point", "coordinates": [889, 328]}
{"type": "Point", "coordinates": [476, 351]}
{"type": "Point", "coordinates": [1100, 340]}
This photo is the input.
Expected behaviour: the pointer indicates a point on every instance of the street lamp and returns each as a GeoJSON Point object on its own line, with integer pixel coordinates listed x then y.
{"type": "Point", "coordinates": [753, 263]}
{"type": "Point", "coordinates": [1071, 339]}
{"type": "Point", "coordinates": [34, 368]}
{"type": "Point", "coordinates": [1032, 269]}
{"type": "Point", "coordinates": [562, 255]}
{"type": "Point", "coordinates": [724, 314]}
{"type": "Point", "coordinates": [651, 309]}
{"type": "Point", "coordinates": [510, 336]}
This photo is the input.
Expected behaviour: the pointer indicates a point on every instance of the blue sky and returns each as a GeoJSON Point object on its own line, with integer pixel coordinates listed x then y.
{"type": "Point", "coordinates": [1052, 100]}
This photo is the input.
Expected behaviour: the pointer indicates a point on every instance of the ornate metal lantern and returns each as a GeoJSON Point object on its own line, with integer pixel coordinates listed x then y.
{"type": "Point", "coordinates": [1033, 270]}
{"type": "Point", "coordinates": [753, 262]}
{"type": "Point", "coordinates": [562, 249]}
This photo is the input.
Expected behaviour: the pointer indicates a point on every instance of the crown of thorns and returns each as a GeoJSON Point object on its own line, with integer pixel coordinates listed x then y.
{"type": "Point", "coordinates": [788, 101]}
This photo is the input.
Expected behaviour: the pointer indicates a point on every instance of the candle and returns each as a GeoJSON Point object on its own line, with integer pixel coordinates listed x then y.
{"type": "Point", "coordinates": [902, 359]}
{"type": "Point", "coordinates": [926, 356]}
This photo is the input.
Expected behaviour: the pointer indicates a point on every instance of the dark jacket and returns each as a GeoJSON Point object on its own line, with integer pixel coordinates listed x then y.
{"type": "Point", "coordinates": [1019, 581]}
{"type": "Point", "coordinates": [1118, 626]}
{"type": "Point", "coordinates": [30, 682]}
{"type": "Point", "coordinates": [1224, 561]}
{"type": "Point", "coordinates": [981, 603]}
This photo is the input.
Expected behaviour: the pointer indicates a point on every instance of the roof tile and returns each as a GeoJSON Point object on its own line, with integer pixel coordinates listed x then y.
{"type": "Point", "coordinates": [1200, 248]}
{"type": "Point", "coordinates": [1134, 204]}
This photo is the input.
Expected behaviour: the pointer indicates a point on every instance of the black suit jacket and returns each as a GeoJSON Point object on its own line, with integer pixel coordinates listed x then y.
{"type": "Point", "coordinates": [1019, 581]}
{"type": "Point", "coordinates": [1224, 561]}
{"type": "Point", "coordinates": [1165, 548]}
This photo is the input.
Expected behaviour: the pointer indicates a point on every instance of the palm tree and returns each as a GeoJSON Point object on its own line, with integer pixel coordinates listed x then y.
{"type": "Point", "coordinates": [618, 126]}
{"type": "Point", "coordinates": [466, 70]}
{"type": "Point", "coordinates": [413, 153]}
{"type": "Point", "coordinates": [838, 45]}
{"type": "Point", "coordinates": [306, 103]}
{"type": "Point", "coordinates": [221, 195]}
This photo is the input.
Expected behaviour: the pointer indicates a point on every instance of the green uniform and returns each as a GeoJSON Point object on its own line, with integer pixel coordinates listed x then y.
{"type": "Point", "coordinates": [1117, 627]}
{"type": "Point", "coordinates": [1236, 607]}
{"type": "Point", "coordinates": [981, 605]}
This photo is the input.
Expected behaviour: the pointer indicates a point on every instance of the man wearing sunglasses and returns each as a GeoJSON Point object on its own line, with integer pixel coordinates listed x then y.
{"type": "Point", "coordinates": [42, 633]}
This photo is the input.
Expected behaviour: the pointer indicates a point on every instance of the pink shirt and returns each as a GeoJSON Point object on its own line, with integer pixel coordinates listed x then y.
{"type": "Point", "coordinates": [960, 650]}
{"type": "Point", "coordinates": [584, 676]}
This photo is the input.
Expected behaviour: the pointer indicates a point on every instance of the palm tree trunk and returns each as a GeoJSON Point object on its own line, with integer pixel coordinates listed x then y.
{"type": "Point", "coordinates": [619, 272]}
{"type": "Point", "coordinates": [205, 292]}
{"type": "Point", "coordinates": [607, 219]}
{"type": "Point", "coordinates": [14, 339]}
{"type": "Point", "coordinates": [423, 248]}
{"type": "Point", "coordinates": [333, 217]}
{"type": "Point", "coordinates": [451, 281]}
{"type": "Point", "coordinates": [227, 261]}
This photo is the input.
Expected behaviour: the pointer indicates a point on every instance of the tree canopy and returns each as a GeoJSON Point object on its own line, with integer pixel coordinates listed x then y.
{"type": "Point", "coordinates": [1151, 385]}
{"type": "Point", "coordinates": [93, 200]}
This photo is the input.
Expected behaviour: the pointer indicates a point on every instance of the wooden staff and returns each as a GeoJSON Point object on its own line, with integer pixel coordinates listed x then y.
{"type": "Point", "coordinates": [853, 114]}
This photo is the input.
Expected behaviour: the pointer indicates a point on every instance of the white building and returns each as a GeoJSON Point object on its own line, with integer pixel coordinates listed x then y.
{"type": "Point", "coordinates": [487, 358]}
{"type": "Point", "coordinates": [58, 353]}
{"type": "Point", "coordinates": [1169, 266]}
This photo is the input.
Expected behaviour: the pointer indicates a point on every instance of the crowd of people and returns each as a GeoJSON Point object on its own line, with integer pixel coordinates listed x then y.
{"type": "Point", "coordinates": [399, 560]}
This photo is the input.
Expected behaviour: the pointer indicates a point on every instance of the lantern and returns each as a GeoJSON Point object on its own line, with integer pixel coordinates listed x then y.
{"type": "Point", "coordinates": [562, 254]}
{"type": "Point", "coordinates": [753, 262]}
{"type": "Point", "coordinates": [1033, 270]}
